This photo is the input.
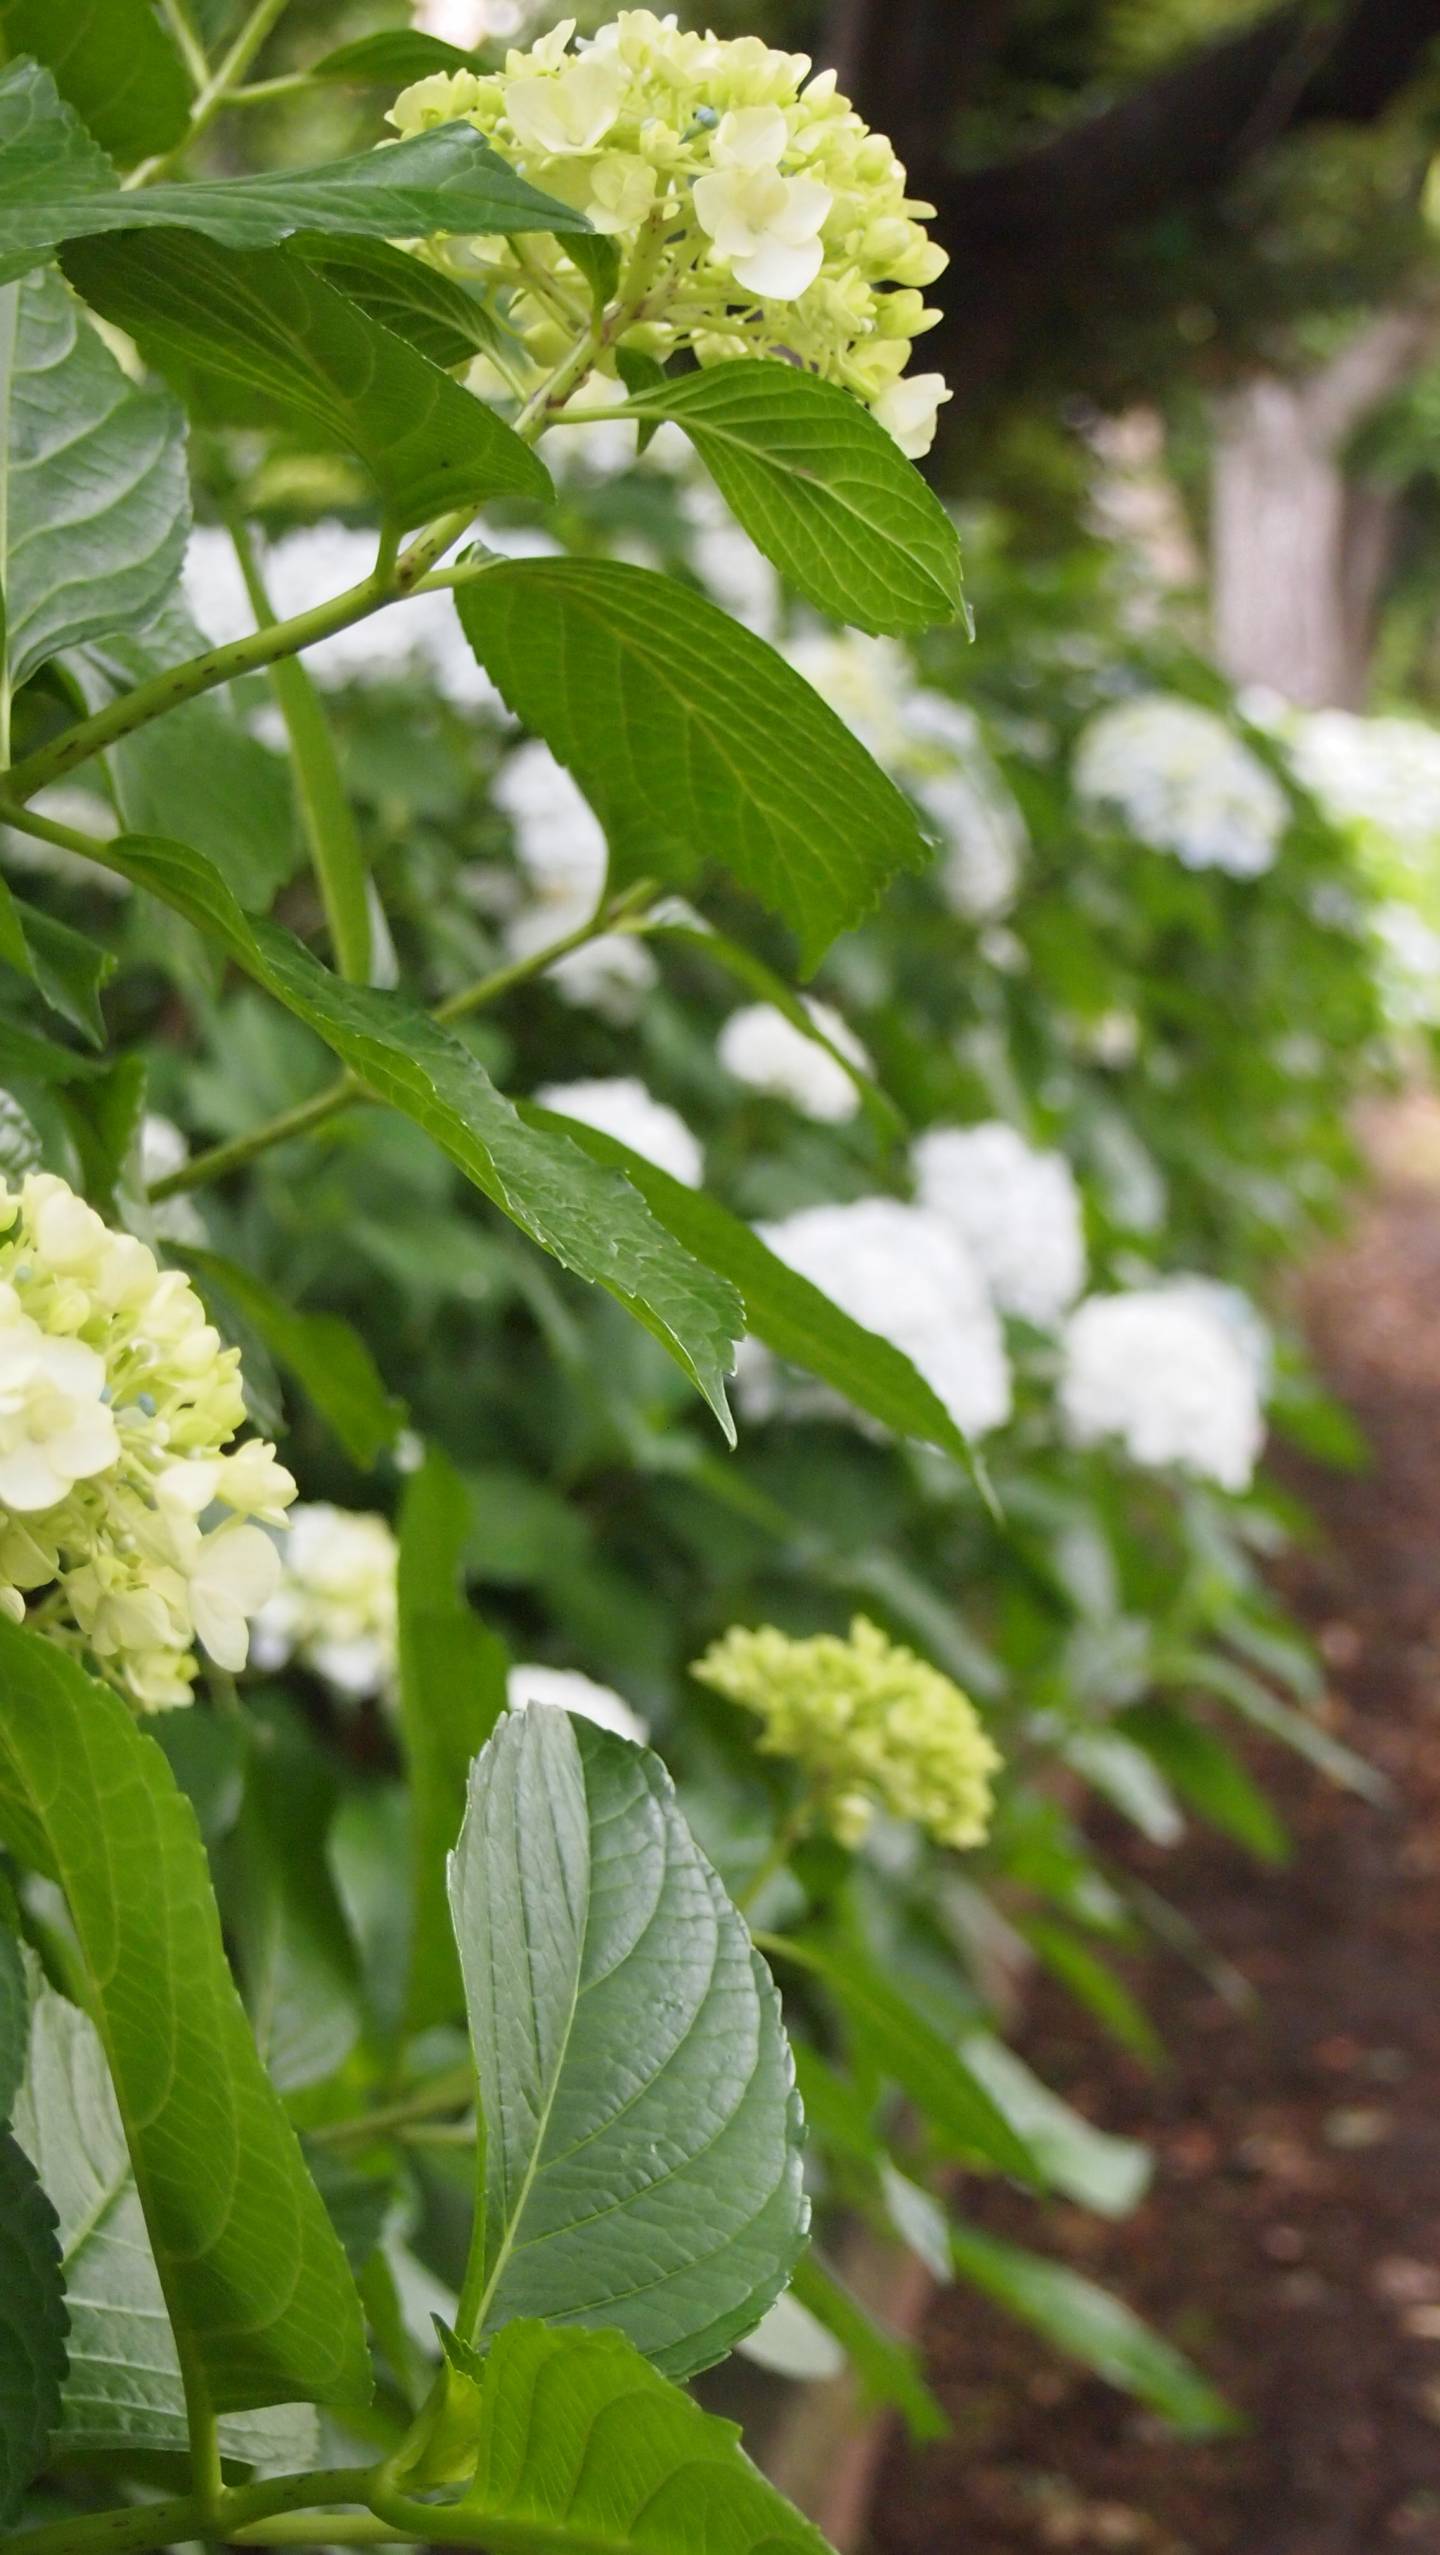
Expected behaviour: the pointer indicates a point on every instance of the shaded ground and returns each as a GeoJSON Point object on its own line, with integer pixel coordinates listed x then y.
{"type": "Point", "coordinates": [1293, 2238]}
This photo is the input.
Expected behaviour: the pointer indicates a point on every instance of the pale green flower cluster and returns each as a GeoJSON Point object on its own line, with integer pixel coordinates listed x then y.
{"type": "Point", "coordinates": [754, 211]}
{"type": "Point", "coordinates": [127, 1529]}
{"type": "Point", "coordinates": [873, 1727]}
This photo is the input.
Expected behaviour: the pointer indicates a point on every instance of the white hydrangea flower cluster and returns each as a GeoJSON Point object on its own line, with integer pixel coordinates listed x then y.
{"type": "Point", "coordinates": [126, 1518]}
{"type": "Point", "coordinates": [568, 1690]}
{"type": "Point", "coordinates": [561, 849]}
{"type": "Point", "coordinates": [335, 1606]}
{"type": "Point", "coordinates": [935, 748]}
{"type": "Point", "coordinates": [1017, 1211]}
{"type": "Point", "coordinates": [620, 1106]}
{"type": "Point", "coordinates": [903, 1272]}
{"type": "Point", "coordinates": [1175, 1375]}
{"type": "Point", "coordinates": [753, 210]}
{"type": "Point", "coordinates": [765, 1051]}
{"type": "Point", "coordinates": [1178, 778]}
{"type": "Point", "coordinates": [1381, 773]}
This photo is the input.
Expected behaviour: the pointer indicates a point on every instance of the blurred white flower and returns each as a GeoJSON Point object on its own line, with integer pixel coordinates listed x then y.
{"type": "Point", "coordinates": [1180, 780]}
{"type": "Point", "coordinates": [334, 1608]}
{"type": "Point", "coordinates": [164, 1151]}
{"type": "Point", "coordinates": [1017, 1210]}
{"type": "Point", "coordinates": [620, 1106]}
{"type": "Point", "coordinates": [1171, 1376]}
{"type": "Point", "coordinates": [566, 1690]}
{"type": "Point", "coordinates": [1381, 772]}
{"type": "Point", "coordinates": [733, 572]}
{"type": "Point", "coordinates": [903, 1273]}
{"type": "Point", "coordinates": [561, 848]}
{"type": "Point", "coordinates": [764, 1050]}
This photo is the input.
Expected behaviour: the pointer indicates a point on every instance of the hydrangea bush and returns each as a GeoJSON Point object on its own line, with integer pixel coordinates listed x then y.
{"type": "Point", "coordinates": [476, 658]}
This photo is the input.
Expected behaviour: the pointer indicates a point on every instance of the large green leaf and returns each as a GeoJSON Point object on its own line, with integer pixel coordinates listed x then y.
{"type": "Point", "coordinates": [1084, 2321]}
{"type": "Point", "coordinates": [32, 2325]}
{"type": "Point", "coordinates": [640, 2163]}
{"type": "Point", "coordinates": [14, 2019]}
{"type": "Point", "coordinates": [590, 1221]}
{"type": "Point", "coordinates": [1091, 2166]}
{"type": "Point", "coordinates": [452, 1693]}
{"type": "Point", "coordinates": [822, 489]}
{"type": "Point", "coordinates": [94, 499]}
{"type": "Point", "coordinates": [394, 54]}
{"type": "Point", "coordinates": [113, 62]}
{"type": "Point", "coordinates": [444, 319]}
{"type": "Point", "coordinates": [123, 2387]}
{"type": "Point", "coordinates": [582, 2450]}
{"type": "Point", "coordinates": [694, 742]}
{"type": "Point", "coordinates": [257, 2287]}
{"type": "Point", "coordinates": [790, 1315]}
{"type": "Point", "coordinates": [326, 1357]}
{"type": "Point", "coordinates": [56, 184]}
{"type": "Point", "coordinates": [198, 769]}
{"type": "Point", "coordinates": [265, 324]}
{"type": "Point", "coordinates": [1208, 1775]}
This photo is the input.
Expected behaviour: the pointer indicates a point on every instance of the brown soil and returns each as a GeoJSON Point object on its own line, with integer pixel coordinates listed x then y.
{"type": "Point", "coordinates": [1292, 2240]}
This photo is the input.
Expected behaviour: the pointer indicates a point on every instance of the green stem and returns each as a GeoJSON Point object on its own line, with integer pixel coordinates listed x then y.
{"type": "Point", "coordinates": [146, 2525]}
{"type": "Point", "coordinates": [215, 93]}
{"type": "Point", "coordinates": [325, 811]}
{"type": "Point", "coordinates": [300, 2528]}
{"type": "Point", "coordinates": [187, 43]}
{"type": "Point", "coordinates": [456, 2085]}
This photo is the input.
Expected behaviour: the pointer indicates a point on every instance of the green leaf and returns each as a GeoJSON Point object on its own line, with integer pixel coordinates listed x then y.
{"type": "Point", "coordinates": [452, 1693]}
{"type": "Point", "coordinates": [1089, 2325]}
{"type": "Point", "coordinates": [790, 1315]}
{"type": "Point", "coordinates": [94, 498]}
{"type": "Point", "coordinates": [822, 489]}
{"type": "Point", "coordinates": [1206, 1774]}
{"type": "Point", "coordinates": [598, 259]}
{"type": "Point", "coordinates": [395, 53]}
{"type": "Point", "coordinates": [955, 2106]}
{"type": "Point", "coordinates": [197, 769]}
{"type": "Point", "coordinates": [441, 318]}
{"type": "Point", "coordinates": [694, 742]}
{"type": "Point", "coordinates": [592, 1223]}
{"type": "Point", "coordinates": [113, 62]}
{"type": "Point", "coordinates": [890, 2370]}
{"type": "Point", "coordinates": [1251, 1698]}
{"type": "Point", "coordinates": [298, 1964]}
{"type": "Point", "coordinates": [14, 2019]}
{"type": "Point", "coordinates": [325, 1356]}
{"type": "Point", "coordinates": [123, 2388]}
{"type": "Point", "coordinates": [21, 1149]}
{"type": "Point", "coordinates": [1094, 1985]}
{"type": "Point", "coordinates": [263, 2306]}
{"type": "Point", "coordinates": [641, 2159]}
{"type": "Point", "coordinates": [1101, 2172]}
{"type": "Point", "coordinates": [262, 322]}
{"type": "Point", "coordinates": [56, 184]}
{"type": "Point", "coordinates": [580, 2447]}
{"type": "Point", "coordinates": [64, 967]}
{"type": "Point", "coordinates": [32, 2326]}
{"type": "Point", "coordinates": [640, 373]}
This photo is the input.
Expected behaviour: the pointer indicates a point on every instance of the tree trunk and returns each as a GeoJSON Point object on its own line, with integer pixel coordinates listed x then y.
{"type": "Point", "coordinates": [1299, 550]}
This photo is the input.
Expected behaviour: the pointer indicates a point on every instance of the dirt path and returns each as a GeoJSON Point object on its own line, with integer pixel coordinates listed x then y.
{"type": "Point", "coordinates": [1293, 2238]}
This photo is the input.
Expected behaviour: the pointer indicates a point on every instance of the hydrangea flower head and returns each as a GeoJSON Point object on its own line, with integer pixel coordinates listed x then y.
{"type": "Point", "coordinates": [1017, 1210]}
{"type": "Point", "coordinates": [873, 1727]}
{"type": "Point", "coordinates": [1171, 1373]}
{"type": "Point", "coordinates": [620, 1106]}
{"type": "Point", "coordinates": [764, 1050]}
{"type": "Point", "coordinates": [1180, 780]}
{"type": "Point", "coordinates": [903, 1273]}
{"type": "Point", "coordinates": [335, 1607]}
{"type": "Point", "coordinates": [569, 1690]}
{"type": "Point", "coordinates": [128, 1525]}
{"type": "Point", "coordinates": [754, 211]}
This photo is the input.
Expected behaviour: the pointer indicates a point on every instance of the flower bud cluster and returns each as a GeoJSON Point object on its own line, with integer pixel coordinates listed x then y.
{"type": "Point", "coordinates": [128, 1524]}
{"type": "Point", "coordinates": [873, 1726]}
{"type": "Point", "coordinates": [754, 211]}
